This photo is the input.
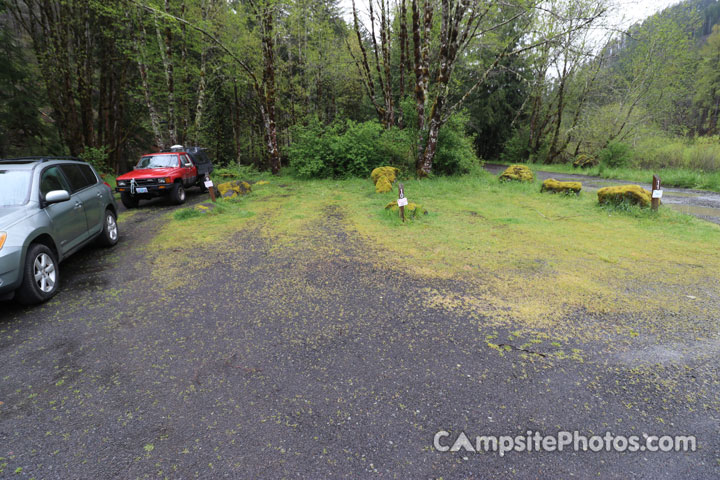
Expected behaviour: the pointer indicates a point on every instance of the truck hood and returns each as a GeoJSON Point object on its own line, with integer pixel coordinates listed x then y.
{"type": "Point", "coordinates": [9, 216]}
{"type": "Point", "coordinates": [149, 173]}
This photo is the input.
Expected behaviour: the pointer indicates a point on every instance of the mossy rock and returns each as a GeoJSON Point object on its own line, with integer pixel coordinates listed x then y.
{"type": "Point", "coordinates": [517, 173]}
{"type": "Point", "coordinates": [585, 161]}
{"type": "Point", "coordinates": [384, 177]}
{"type": "Point", "coordinates": [389, 172]}
{"type": "Point", "coordinates": [633, 194]}
{"type": "Point", "coordinates": [411, 209]}
{"type": "Point", "coordinates": [383, 185]}
{"type": "Point", "coordinates": [555, 186]}
{"type": "Point", "coordinates": [262, 182]}
{"type": "Point", "coordinates": [233, 189]}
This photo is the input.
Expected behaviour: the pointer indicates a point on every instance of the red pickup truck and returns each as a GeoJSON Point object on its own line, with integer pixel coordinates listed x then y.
{"type": "Point", "coordinates": [164, 174]}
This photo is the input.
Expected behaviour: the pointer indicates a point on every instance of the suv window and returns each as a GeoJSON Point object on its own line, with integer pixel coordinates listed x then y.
{"type": "Point", "coordinates": [76, 177]}
{"type": "Point", "coordinates": [52, 179]}
{"type": "Point", "coordinates": [89, 174]}
{"type": "Point", "coordinates": [186, 161]}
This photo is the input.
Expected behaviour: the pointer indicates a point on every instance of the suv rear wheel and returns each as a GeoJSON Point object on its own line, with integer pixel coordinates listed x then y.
{"type": "Point", "coordinates": [128, 200]}
{"type": "Point", "coordinates": [41, 276]}
{"type": "Point", "coordinates": [177, 195]}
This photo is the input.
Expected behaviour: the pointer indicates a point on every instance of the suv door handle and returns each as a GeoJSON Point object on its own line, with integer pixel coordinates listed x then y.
{"type": "Point", "coordinates": [77, 205]}
{"type": "Point", "coordinates": [99, 195]}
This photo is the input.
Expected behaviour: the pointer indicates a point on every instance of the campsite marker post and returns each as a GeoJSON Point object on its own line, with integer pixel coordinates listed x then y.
{"type": "Point", "coordinates": [211, 188]}
{"type": "Point", "coordinates": [402, 201]}
{"type": "Point", "coordinates": [657, 193]}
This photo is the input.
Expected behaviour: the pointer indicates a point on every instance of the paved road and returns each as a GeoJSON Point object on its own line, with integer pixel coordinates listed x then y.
{"type": "Point", "coordinates": [700, 203]}
{"type": "Point", "coordinates": [313, 362]}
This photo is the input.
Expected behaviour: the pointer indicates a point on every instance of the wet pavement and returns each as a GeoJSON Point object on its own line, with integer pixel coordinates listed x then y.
{"type": "Point", "coordinates": [699, 203]}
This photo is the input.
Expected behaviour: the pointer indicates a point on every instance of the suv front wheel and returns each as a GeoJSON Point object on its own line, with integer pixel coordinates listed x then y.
{"type": "Point", "coordinates": [41, 276]}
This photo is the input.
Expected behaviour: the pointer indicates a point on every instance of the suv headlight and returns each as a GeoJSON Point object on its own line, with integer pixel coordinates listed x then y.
{"type": "Point", "coordinates": [161, 180]}
{"type": "Point", "coordinates": [3, 237]}
{"type": "Point", "coordinates": [121, 183]}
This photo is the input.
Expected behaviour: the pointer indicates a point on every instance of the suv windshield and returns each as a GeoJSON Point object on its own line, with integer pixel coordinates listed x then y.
{"type": "Point", "coordinates": [158, 161]}
{"type": "Point", "coordinates": [14, 187]}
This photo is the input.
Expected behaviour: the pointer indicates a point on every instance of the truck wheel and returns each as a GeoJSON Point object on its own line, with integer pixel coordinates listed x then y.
{"type": "Point", "coordinates": [128, 200]}
{"type": "Point", "coordinates": [41, 276]}
{"type": "Point", "coordinates": [109, 236]}
{"type": "Point", "coordinates": [177, 195]}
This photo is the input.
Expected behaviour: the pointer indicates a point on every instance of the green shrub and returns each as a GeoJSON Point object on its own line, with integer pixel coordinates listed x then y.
{"type": "Point", "coordinates": [456, 151]}
{"type": "Point", "coordinates": [338, 150]}
{"type": "Point", "coordinates": [516, 148]}
{"type": "Point", "coordinates": [352, 149]}
{"type": "Point", "coordinates": [97, 157]}
{"type": "Point", "coordinates": [616, 154]}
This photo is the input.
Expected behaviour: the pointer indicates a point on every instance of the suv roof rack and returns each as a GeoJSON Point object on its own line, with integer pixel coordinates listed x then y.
{"type": "Point", "coordinates": [37, 159]}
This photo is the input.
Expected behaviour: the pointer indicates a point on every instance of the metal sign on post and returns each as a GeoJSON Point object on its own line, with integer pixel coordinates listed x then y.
{"type": "Point", "coordinates": [211, 188]}
{"type": "Point", "coordinates": [657, 193]}
{"type": "Point", "coordinates": [402, 201]}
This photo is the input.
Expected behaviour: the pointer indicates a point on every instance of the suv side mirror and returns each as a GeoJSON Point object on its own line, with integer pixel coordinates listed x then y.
{"type": "Point", "coordinates": [57, 196]}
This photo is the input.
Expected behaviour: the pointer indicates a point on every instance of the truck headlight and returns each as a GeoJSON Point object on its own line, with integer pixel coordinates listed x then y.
{"type": "Point", "coordinates": [161, 180]}
{"type": "Point", "coordinates": [121, 183]}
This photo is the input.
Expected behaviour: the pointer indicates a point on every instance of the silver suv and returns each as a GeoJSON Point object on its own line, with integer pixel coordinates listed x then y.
{"type": "Point", "coordinates": [49, 209]}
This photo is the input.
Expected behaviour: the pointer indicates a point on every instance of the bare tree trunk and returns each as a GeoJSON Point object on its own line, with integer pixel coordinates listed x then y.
{"type": "Point", "coordinates": [165, 46]}
{"type": "Point", "coordinates": [142, 67]}
{"type": "Point", "coordinates": [267, 106]}
{"type": "Point", "coordinates": [202, 86]}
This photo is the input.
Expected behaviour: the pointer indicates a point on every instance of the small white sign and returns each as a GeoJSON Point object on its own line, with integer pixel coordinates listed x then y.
{"type": "Point", "coordinates": [402, 202]}
{"type": "Point", "coordinates": [208, 184]}
{"type": "Point", "coordinates": [141, 190]}
{"type": "Point", "coordinates": [657, 193]}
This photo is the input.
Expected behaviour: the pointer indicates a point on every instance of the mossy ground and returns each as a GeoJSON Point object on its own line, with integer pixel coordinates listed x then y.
{"type": "Point", "coordinates": [529, 258]}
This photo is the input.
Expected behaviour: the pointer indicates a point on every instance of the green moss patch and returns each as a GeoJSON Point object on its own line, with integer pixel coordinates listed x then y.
{"type": "Point", "coordinates": [632, 194]}
{"type": "Point", "coordinates": [554, 186]}
{"type": "Point", "coordinates": [517, 173]}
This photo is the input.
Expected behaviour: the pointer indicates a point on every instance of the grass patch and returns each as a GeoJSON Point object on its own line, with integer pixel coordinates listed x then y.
{"type": "Point", "coordinates": [517, 256]}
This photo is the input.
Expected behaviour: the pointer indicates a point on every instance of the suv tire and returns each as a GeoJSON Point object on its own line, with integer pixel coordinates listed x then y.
{"type": "Point", "coordinates": [177, 194]}
{"type": "Point", "coordinates": [109, 236]}
{"type": "Point", "coordinates": [41, 276]}
{"type": "Point", "coordinates": [128, 200]}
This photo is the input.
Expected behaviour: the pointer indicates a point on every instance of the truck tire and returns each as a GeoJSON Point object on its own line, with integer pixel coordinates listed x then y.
{"type": "Point", "coordinates": [128, 200]}
{"type": "Point", "coordinates": [41, 276]}
{"type": "Point", "coordinates": [177, 194]}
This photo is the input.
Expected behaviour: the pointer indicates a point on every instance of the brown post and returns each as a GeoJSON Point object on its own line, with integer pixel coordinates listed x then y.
{"type": "Point", "coordinates": [656, 197]}
{"type": "Point", "coordinates": [401, 195]}
{"type": "Point", "coordinates": [211, 188]}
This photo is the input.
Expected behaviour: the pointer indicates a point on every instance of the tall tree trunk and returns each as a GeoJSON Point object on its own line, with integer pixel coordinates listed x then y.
{"type": "Point", "coordinates": [165, 46]}
{"type": "Point", "coordinates": [267, 105]}
{"type": "Point", "coordinates": [147, 95]}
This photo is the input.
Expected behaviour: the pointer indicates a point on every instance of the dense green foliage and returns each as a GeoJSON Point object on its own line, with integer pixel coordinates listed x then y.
{"type": "Point", "coordinates": [110, 81]}
{"type": "Point", "coordinates": [349, 148]}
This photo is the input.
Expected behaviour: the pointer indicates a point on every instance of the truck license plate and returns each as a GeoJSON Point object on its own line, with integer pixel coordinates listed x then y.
{"type": "Point", "coordinates": [141, 189]}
